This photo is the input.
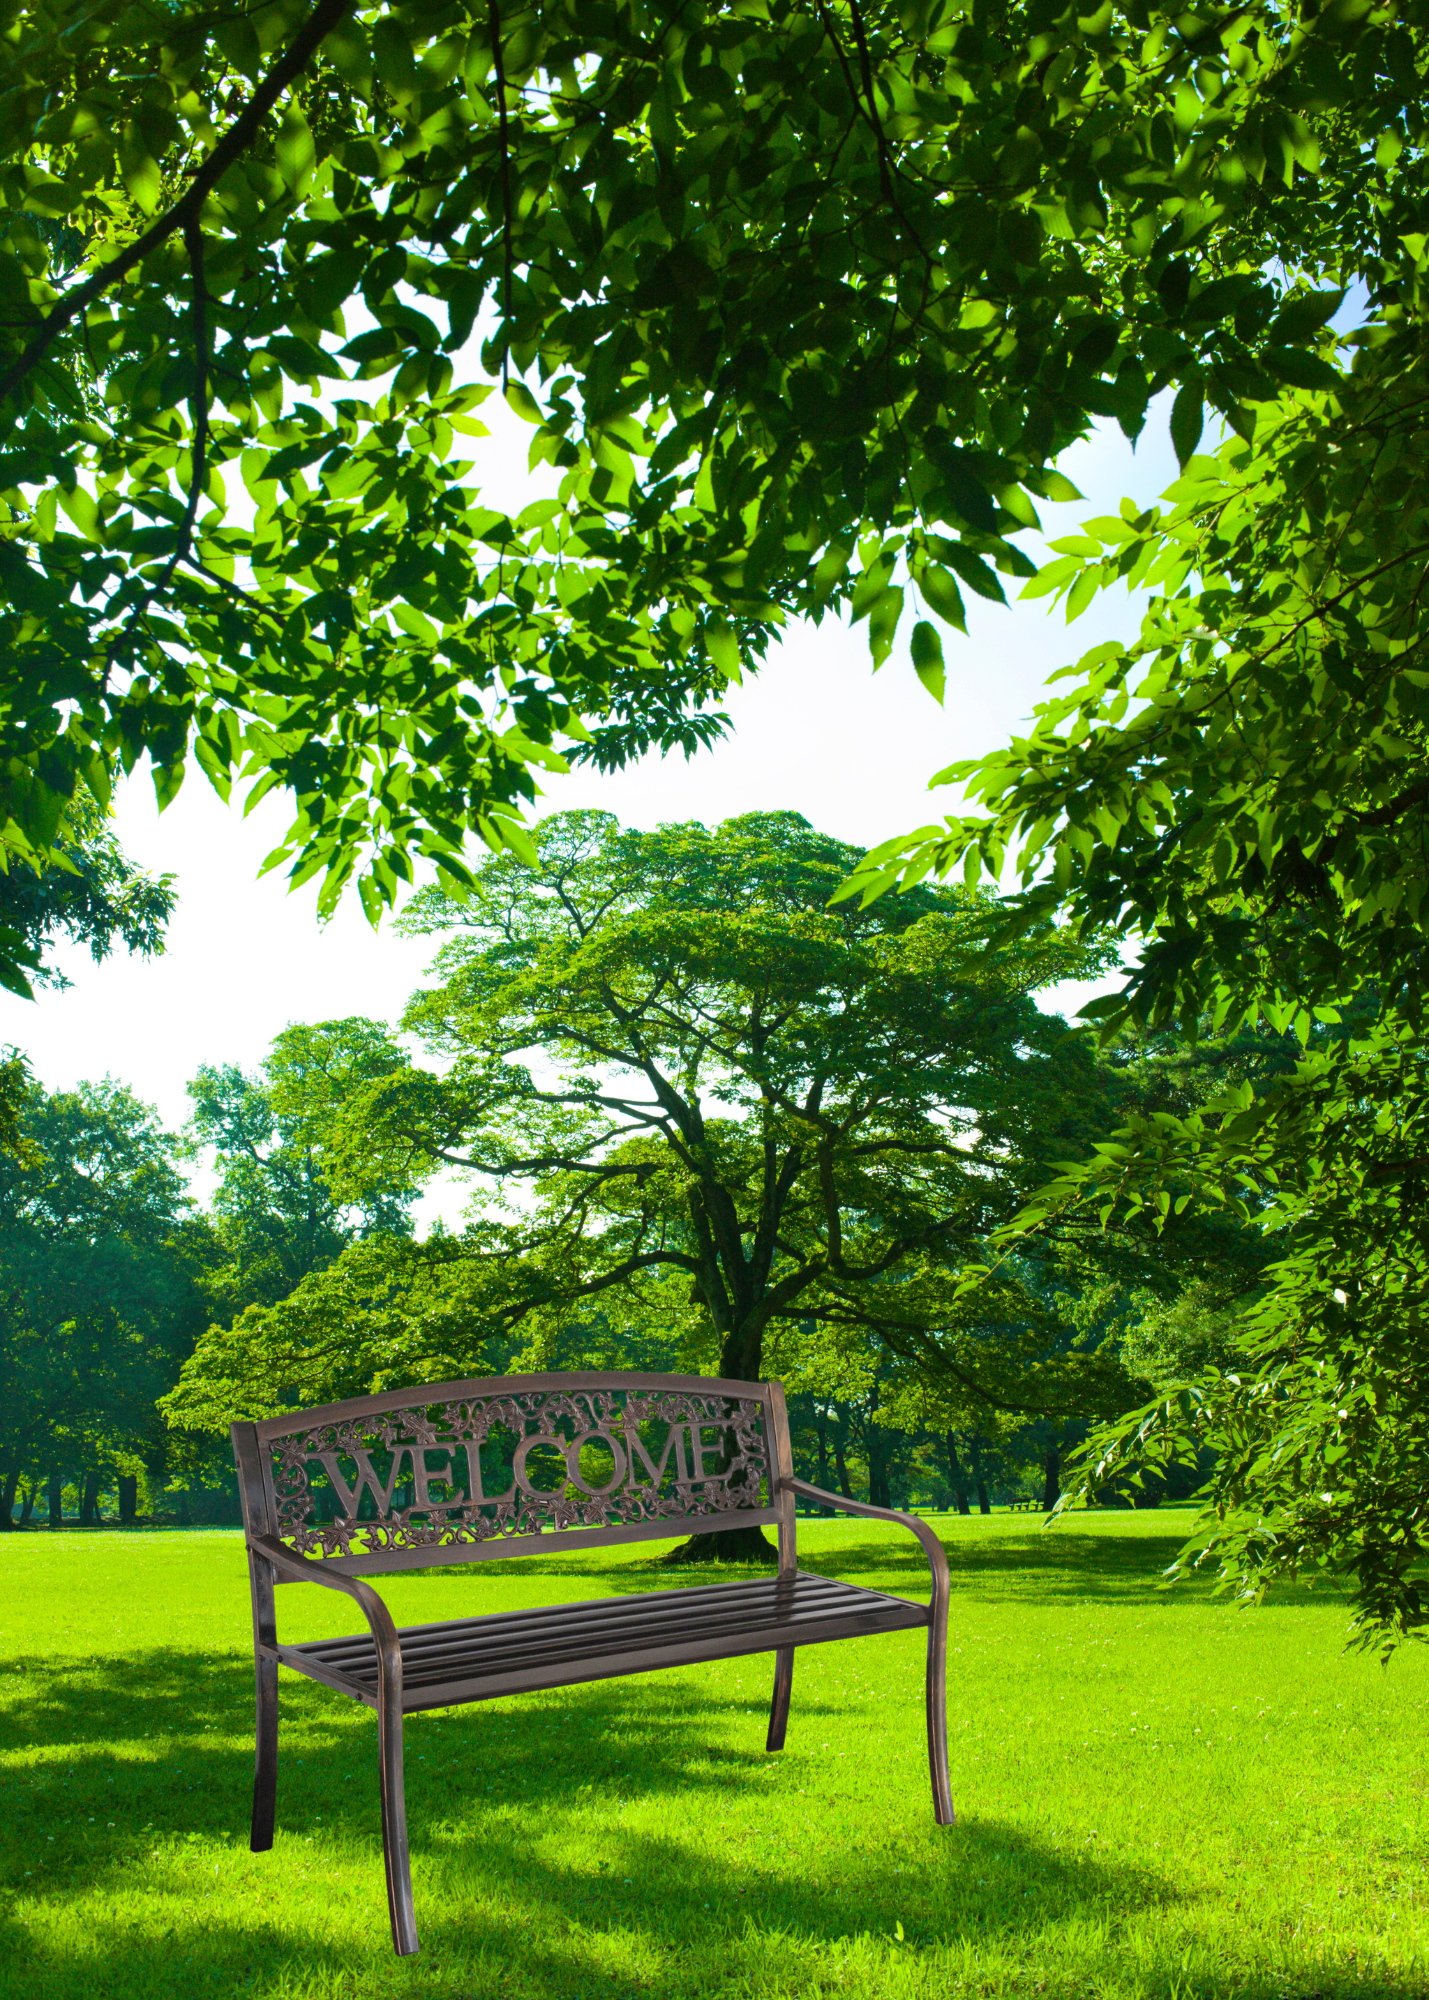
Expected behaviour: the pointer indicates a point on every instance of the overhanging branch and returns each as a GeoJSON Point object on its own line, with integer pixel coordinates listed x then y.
{"type": "Point", "coordinates": [185, 211]}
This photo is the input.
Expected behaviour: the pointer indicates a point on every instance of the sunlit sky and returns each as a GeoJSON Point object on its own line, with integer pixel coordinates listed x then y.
{"type": "Point", "coordinates": [816, 731]}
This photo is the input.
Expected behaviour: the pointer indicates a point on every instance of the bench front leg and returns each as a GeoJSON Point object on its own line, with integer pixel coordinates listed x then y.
{"type": "Point", "coordinates": [936, 1684]}
{"type": "Point", "coordinates": [779, 1706]}
{"type": "Point", "coordinates": [265, 1754]}
{"type": "Point", "coordinates": [394, 1818]}
{"type": "Point", "coordinates": [396, 1858]}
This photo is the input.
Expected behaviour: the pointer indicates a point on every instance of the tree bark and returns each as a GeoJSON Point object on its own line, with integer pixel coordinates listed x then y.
{"type": "Point", "coordinates": [56, 1500]}
{"type": "Point", "coordinates": [841, 1464]}
{"type": "Point", "coordinates": [7, 1501]}
{"type": "Point", "coordinates": [726, 1545]}
{"type": "Point", "coordinates": [955, 1473]}
{"type": "Point", "coordinates": [821, 1426]}
{"type": "Point", "coordinates": [128, 1498]}
{"type": "Point", "coordinates": [89, 1499]}
{"type": "Point", "coordinates": [28, 1505]}
{"type": "Point", "coordinates": [1052, 1484]}
{"type": "Point", "coordinates": [984, 1505]}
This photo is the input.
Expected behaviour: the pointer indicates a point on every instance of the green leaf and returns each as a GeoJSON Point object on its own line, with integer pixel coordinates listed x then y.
{"type": "Point", "coordinates": [963, 486]}
{"type": "Point", "coordinates": [294, 149]}
{"type": "Point", "coordinates": [943, 594]}
{"type": "Point", "coordinates": [1187, 419]}
{"type": "Point", "coordinates": [883, 623]}
{"type": "Point", "coordinates": [927, 650]}
{"type": "Point", "coordinates": [523, 402]}
{"type": "Point", "coordinates": [393, 59]}
{"type": "Point", "coordinates": [138, 169]}
{"type": "Point", "coordinates": [723, 648]}
{"type": "Point", "coordinates": [1301, 370]}
{"type": "Point", "coordinates": [975, 573]}
{"type": "Point", "coordinates": [79, 507]}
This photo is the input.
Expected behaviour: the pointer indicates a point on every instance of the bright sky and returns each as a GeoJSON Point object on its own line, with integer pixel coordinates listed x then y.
{"type": "Point", "coordinates": [816, 732]}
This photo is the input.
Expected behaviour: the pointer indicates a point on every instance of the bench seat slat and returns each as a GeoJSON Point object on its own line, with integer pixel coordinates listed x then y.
{"type": "Point", "coordinates": [608, 1622]}
{"type": "Point", "coordinates": [554, 1646]}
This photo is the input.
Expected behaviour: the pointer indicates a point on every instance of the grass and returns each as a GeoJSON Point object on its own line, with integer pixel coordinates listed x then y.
{"type": "Point", "coordinates": [1158, 1795]}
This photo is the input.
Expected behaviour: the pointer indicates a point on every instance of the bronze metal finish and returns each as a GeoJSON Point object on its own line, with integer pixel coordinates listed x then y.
{"type": "Point", "coordinates": [467, 1471]}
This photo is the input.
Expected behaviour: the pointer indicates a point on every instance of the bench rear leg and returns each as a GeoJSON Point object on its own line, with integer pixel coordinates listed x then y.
{"type": "Point", "coordinates": [394, 1822]}
{"type": "Point", "coordinates": [779, 1706]}
{"type": "Point", "coordinates": [265, 1760]}
{"type": "Point", "coordinates": [937, 1699]}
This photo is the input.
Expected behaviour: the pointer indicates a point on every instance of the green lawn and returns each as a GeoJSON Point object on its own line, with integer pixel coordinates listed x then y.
{"type": "Point", "coordinates": [1157, 1794]}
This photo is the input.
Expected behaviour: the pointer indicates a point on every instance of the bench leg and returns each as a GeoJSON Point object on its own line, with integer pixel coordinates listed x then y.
{"type": "Point", "coordinates": [779, 1707]}
{"type": "Point", "coordinates": [937, 1697]}
{"type": "Point", "coordinates": [394, 1822]}
{"type": "Point", "coordinates": [265, 1761]}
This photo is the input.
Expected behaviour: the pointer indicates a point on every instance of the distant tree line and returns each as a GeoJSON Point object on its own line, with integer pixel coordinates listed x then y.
{"type": "Point", "coordinates": [710, 1123]}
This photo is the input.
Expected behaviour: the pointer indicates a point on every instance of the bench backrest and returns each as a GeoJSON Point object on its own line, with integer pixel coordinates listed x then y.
{"type": "Point", "coordinates": [461, 1471]}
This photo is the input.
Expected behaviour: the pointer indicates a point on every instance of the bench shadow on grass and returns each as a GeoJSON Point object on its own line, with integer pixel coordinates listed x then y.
{"type": "Point", "coordinates": [493, 1895]}
{"type": "Point", "coordinates": [1049, 1565]}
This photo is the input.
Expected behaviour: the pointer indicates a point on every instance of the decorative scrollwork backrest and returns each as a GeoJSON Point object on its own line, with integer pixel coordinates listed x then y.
{"type": "Point", "coordinates": [482, 1463]}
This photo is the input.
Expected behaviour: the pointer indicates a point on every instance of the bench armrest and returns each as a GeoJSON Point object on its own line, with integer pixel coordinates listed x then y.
{"type": "Point", "coordinates": [303, 1570]}
{"type": "Point", "coordinates": [932, 1547]}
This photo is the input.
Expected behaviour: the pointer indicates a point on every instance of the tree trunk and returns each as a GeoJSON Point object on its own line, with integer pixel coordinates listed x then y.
{"type": "Point", "coordinates": [7, 1501]}
{"type": "Point", "coordinates": [1052, 1486]}
{"type": "Point", "coordinates": [955, 1473]}
{"type": "Point", "coordinates": [56, 1500]}
{"type": "Point", "coordinates": [128, 1498]}
{"type": "Point", "coordinates": [28, 1508]}
{"type": "Point", "coordinates": [88, 1504]}
{"type": "Point", "coordinates": [726, 1545]}
{"type": "Point", "coordinates": [842, 1465]}
{"type": "Point", "coordinates": [984, 1505]}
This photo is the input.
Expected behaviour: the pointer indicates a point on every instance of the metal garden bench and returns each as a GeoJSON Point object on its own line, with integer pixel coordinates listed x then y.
{"type": "Point", "coordinates": [459, 1472]}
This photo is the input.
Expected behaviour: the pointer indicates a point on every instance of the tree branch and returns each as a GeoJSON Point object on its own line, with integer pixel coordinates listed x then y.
{"type": "Point", "coordinates": [185, 211]}
{"type": "Point", "coordinates": [494, 23]}
{"type": "Point", "coordinates": [198, 404]}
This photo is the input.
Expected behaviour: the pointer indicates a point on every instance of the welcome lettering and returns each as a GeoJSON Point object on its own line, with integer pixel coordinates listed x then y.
{"type": "Point", "coordinates": [697, 1454]}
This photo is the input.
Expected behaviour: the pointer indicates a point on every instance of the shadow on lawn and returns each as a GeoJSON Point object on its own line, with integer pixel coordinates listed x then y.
{"type": "Point", "coordinates": [489, 1895]}
{"type": "Point", "coordinates": [1048, 1565]}
{"type": "Point", "coordinates": [492, 1791]}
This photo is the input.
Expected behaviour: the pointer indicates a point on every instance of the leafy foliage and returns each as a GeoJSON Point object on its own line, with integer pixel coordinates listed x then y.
{"type": "Point", "coordinates": [1242, 792]}
{"type": "Point", "coordinates": [801, 304]}
{"type": "Point", "coordinates": [101, 1296]}
{"type": "Point", "coordinates": [87, 890]}
{"type": "Point", "coordinates": [276, 1214]}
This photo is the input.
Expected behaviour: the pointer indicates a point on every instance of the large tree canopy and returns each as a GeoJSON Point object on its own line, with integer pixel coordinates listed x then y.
{"type": "Point", "coordinates": [801, 302]}
{"type": "Point", "coordinates": [704, 1111]}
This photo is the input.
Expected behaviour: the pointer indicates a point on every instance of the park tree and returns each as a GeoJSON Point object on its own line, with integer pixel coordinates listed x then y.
{"type": "Point", "coordinates": [800, 304]}
{"type": "Point", "coordinates": [80, 888]}
{"type": "Point", "coordinates": [275, 1212]}
{"type": "Point", "coordinates": [86, 892]}
{"type": "Point", "coordinates": [699, 1102]}
{"type": "Point", "coordinates": [1241, 792]}
{"type": "Point", "coordinates": [101, 1290]}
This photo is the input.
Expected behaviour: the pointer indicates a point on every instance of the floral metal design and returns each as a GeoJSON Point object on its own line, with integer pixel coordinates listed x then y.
{"type": "Point", "coordinates": [710, 1458]}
